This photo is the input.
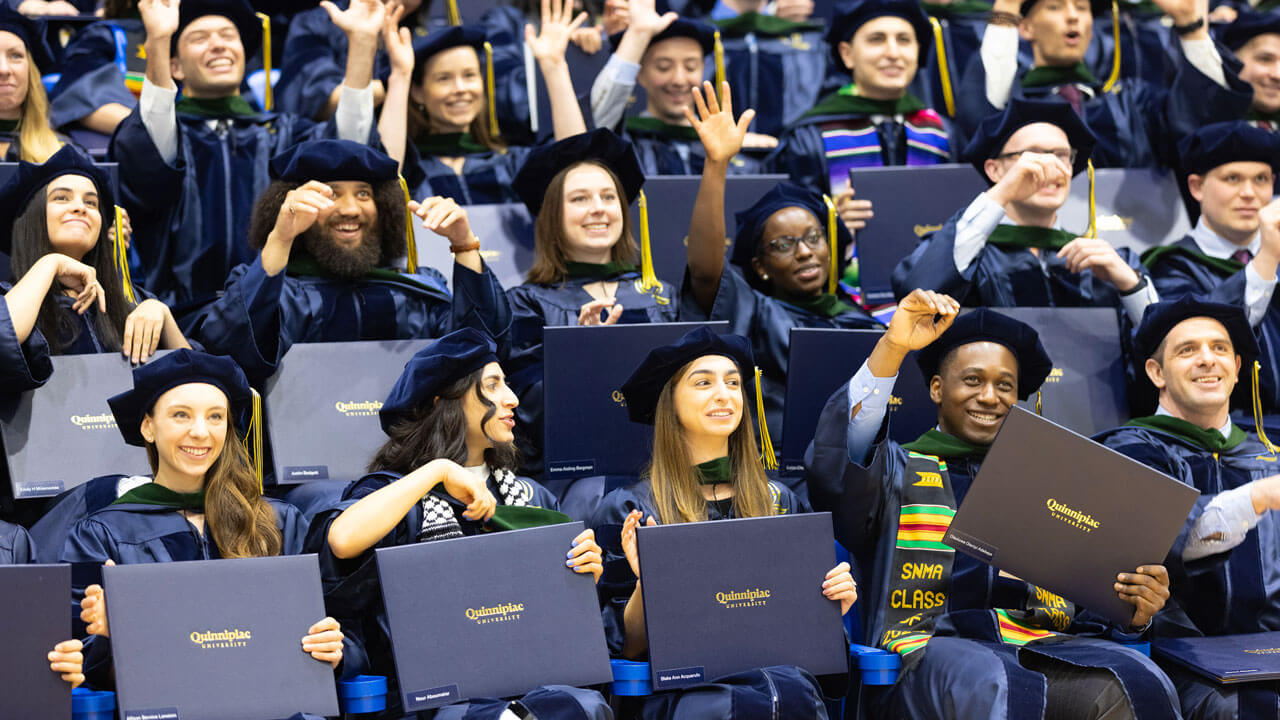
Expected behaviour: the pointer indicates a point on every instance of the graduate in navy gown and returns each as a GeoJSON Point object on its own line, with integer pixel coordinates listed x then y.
{"type": "Point", "coordinates": [56, 221]}
{"type": "Point", "coordinates": [1137, 123]}
{"type": "Point", "coordinates": [666, 56]}
{"type": "Point", "coordinates": [1254, 38]}
{"type": "Point", "coordinates": [1008, 248]}
{"type": "Point", "coordinates": [330, 227]}
{"type": "Point", "coordinates": [25, 132]}
{"type": "Point", "coordinates": [439, 119]}
{"type": "Point", "coordinates": [781, 275]}
{"type": "Point", "coordinates": [93, 90]}
{"type": "Point", "coordinates": [1232, 252]}
{"type": "Point", "coordinates": [975, 643]}
{"type": "Point", "coordinates": [875, 120]}
{"type": "Point", "coordinates": [446, 471]}
{"type": "Point", "coordinates": [1225, 563]}
{"type": "Point", "coordinates": [706, 465]}
{"type": "Point", "coordinates": [586, 268]}
{"type": "Point", "coordinates": [190, 170]}
{"type": "Point", "coordinates": [205, 500]}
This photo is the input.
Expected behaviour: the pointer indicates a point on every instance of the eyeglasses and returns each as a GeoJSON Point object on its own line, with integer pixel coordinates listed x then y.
{"type": "Point", "coordinates": [1066, 155]}
{"type": "Point", "coordinates": [784, 246]}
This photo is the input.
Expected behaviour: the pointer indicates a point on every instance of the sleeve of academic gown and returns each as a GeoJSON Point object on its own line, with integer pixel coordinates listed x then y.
{"type": "Point", "coordinates": [315, 56]}
{"type": "Point", "coordinates": [90, 77]}
{"type": "Point", "coordinates": [247, 321]}
{"type": "Point", "coordinates": [26, 365]}
{"type": "Point", "coordinates": [932, 266]}
{"type": "Point", "coordinates": [15, 545]}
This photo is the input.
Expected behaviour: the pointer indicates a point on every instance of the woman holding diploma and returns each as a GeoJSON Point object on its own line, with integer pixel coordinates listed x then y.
{"type": "Point", "coordinates": [446, 471]}
{"type": "Point", "coordinates": [205, 499]}
{"type": "Point", "coordinates": [705, 466]}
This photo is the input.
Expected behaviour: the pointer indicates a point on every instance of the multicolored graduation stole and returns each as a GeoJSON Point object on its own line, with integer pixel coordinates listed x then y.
{"type": "Point", "coordinates": [856, 144]}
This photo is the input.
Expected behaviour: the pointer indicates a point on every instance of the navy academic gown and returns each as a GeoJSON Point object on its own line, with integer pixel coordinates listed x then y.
{"type": "Point", "coordinates": [779, 75]}
{"type": "Point", "coordinates": [91, 77]}
{"type": "Point", "coordinates": [136, 533]}
{"type": "Point", "coordinates": [62, 513]}
{"type": "Point", "coordinates": [767, 322]}
{"type": "Point", "coordinates": [1183, 271]}
{"type": "Point", "coordinates": [486, 177]}
{"type": "Point", "coordinates": [1139, 123]}
{"type": "Point", "coordinates": [190, 219]}
{"type": "Point", "coordinates": [258, 318]}
{"type": "Point", "coordinates": [965, 650]}
{"type": "Point", "coordinates": [15, 545]}
{"type": "Point", "coordinates": [678, 151]}
{"type": "Point", "coordinates": [23, 366]}
{"type": "Point", "coordinates": [353, 596]}
{"type": "Point", "coordinates": [1228, 593]}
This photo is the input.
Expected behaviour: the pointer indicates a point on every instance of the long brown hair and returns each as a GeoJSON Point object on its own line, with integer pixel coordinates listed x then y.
{"type": "Point", "coordinates": [37, 141]}
{"type": "Point", "coordinates": [241, 521]}
{"type": "Point", "coordinates": [419, 122]}
{"type": "Point", "coordinates": [673, 481]}
{"type": "Point", "coordinates": [549, 255]}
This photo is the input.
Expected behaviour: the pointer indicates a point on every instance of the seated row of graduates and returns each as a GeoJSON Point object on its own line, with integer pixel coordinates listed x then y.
{"type": "Point", "coordinates": [191, 214]}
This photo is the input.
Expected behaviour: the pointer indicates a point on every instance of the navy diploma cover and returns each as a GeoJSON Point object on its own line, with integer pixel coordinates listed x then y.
{"type": "Point", "coordinates": [33, 605]}
{"type": "Point", "coordinates": [1226, 658]}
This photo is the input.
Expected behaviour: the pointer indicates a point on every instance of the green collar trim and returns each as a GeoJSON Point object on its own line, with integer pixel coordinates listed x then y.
{"type": "Point", "coordinates": [1224, 266]}
{"type": "Point", "coordinates": [609, 270]}
{"type": "Point", "coordinates": [770, 25]}
{"type": "Point", "coordinates": [936, 442]}
{"type": "Point", "coordinates": [1021, 236]}
{"type": "Point", "coordinates": [714, 472]}
{"type": "Point", "coordinates": [961, 7]}
{"type": "Point", "coordinates": [156, 494]}
{"type": "Point", "coordinates": [826, 305]}
{"type": "Point", "coordinates": [231, 106]}
{"type": "Point", "coordinates": [307, 267]}
{"type": "Point", "coordinates": [1051, 75]}
{"type": "Point", "coordinates": [845, 101]}
{"type": "Point", "coordinates": [519, 517]}
{"type": "Point", "coordinates": [448, 144]}
{"type": "Point", "coordinates": [9, 126]}
{"type": "Point", "coordinates": [654, 126]}
{"type": "Point", "coordinates": [1211, 440]}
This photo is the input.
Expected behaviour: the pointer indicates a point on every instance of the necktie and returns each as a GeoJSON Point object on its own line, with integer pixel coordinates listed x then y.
{"type": "Point", "coordinates": [892, 149]}
{"type": "Point", "coordinates": [1072, 94]}
{"type": "Point", "coordinates": [1242, 256]}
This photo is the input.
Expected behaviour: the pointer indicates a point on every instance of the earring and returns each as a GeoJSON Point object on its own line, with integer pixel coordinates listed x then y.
{"type": "Point", "coordinates": [764, 276]}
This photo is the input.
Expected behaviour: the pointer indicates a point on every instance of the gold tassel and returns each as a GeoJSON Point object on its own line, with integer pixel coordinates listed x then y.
{"type": "Point", "coordinates": [1039, 403]}
{"type": "Point", "coordinates": [834, 249]}
{"type": "Point", "coordinates": [410, 242]}
{"type": "Point", "coordinates": [255, 436]}
{"type": "Point", "coordinates": [648, 278]}
{"type": "Point", "coordinates": [490, 89]}
{"type": "Point", "coordinates": [720, 73]}
{"type": "Point", "coordinates": [454, 18]}
{"type": "Point", "coordinates": [1092, 230]}
{"type": "Point", "coordinates": [1115, 60]}
{"type": "Point", "coordinates": [267, 100]}
{"type": "Point", "coordinates": [767, 455]}
{"type": "Point", "coordinates": [944, 72]}
{"type": "Point", "coordinates": [1257, 411]}
{"type": "Point", "coordinates": [122, 258]}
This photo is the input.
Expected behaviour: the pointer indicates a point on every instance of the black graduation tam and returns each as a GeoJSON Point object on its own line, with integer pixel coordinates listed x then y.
{"type": "Point", "coordinates": [444, 39]}
{"type": "Point", "coordinates": [1247, 26]}
{"type": "Point", "coordinates": [433, 368]}
{"type": "Point", "coordinates": [751, 221]}
{"type": "Point", "coordinates": [180, 367]}
{"type": "Point", "coordinates": [700, 32]}
{"type": "Point", "coordinates": [1159, 318]}
{"type": "Point", "coordinates": [996, 128]}
{"type": "Point", "coordinates": [851, 15]}
{"type": "Point", "coordinates": [1222, 143]}
{"type": "Point", "coordinates": [239, 12]}
{"type": "Point", "coordinates": [602, 145]}
{"type": "Point", "coordinates": [332, 160]}
{"type": "Point", "coordinates": [31, 33]}
{"type": "Point", "coordinates": [985, 325]}
{"type": "Point", "coordinates": [32, 178]}
{"type": "Point", "coordinates": [642, 389]}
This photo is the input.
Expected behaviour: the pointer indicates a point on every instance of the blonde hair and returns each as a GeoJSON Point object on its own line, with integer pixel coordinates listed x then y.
{"type": "Point", "coordinates": [673, 480]}
{"type": "Point", "coordinates": [37, 141]}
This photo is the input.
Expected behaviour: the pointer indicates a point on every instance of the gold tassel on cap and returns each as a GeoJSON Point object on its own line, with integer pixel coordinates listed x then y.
{"type": "Point", "coordinates": [834, 249]}
{"type": "Point", "coordinates": [490, 89]}
{"type": "Point", "coordinates": [767, 455]}
{"type": "Point", "coordinates": [122, 258]}
{"type": "Point", "coordinates": [718, 53]}
{"type": "Point", "coordinates": [1039, 403]}
{"type": "Point", "coordinates": [254, 436]}
{"type": "Point", "coordinates": [1115, 59]}
{"type": "Point", "coordinates": [944, 72]}
{"type": "Point", "coordinates": [1092, 231]}
{"type": "Point", "coordinates": [1257, 411]}
{"type": "Point", "coordinates": [648, 278]}
{"type": "Point", "coordinates": [410, 242]}
{"type": "Point", "coordinates": [454, 18]}
{"type": "Point", "coordinates": [267, 100]}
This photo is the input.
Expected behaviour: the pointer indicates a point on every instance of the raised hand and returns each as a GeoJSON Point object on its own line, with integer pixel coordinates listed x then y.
{"type": "Point", "coordinates": [1184, 12]}
{"type": "Point", "coordinates": [159, 18]}
{"type": "Point", "coordinates": [398, 41]}
{"type": "Point", "coordinates": [592, 313]}
{"type": "Point", "coordinates": [323, 641]}
{"type": "Point", "coordinates": [616, 17]}
{"type": "Point", "coordinates": [300, 209]}
{"type": "Point", "coordinates": [585, 556]}
{"type": "Point", "coordinates": [1147, 590]}
{"type": "Point", "coordinates": [444, 217]}
{"type": "Point", "coordinates": [721, 136]}
{"type": "Point", "coordinates": [558, 26]}
{"type": "Point", "coordinates": [629, 539]}
{"type": "Point", "coordinates": [920, 318]}
{"type": "Point", "coordinates": [1031, 173]}
{"type": "Point", "coordinates": [362, 18]}
{"type": "Point", "coordinates": [839, 585]}
{"type": "Point", "coordinates": [1097, 256]}
{"type": "Point", "coordinates": [143, 330]}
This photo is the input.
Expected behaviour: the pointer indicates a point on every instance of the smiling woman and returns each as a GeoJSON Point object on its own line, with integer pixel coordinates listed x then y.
{"type": "Point", "coordinates": [25, 133]}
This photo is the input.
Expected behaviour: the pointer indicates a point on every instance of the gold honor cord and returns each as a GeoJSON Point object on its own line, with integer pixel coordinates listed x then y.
{"type": "Point", "coordinates": [454, 18]}
{"type": "Point", "coordinates": [1115, 59]}
{"type": "Point", "coordinates": [718, 51]}
{"type": "Point", "coordinates": [767, 455]}
{"type": "Point", "coordinates": [410, 242]}
{"type": "Point", "coordinates": [267, 100]}
{"type": "Point", "coordinates": [254, 436]}
{"type": "Point", "coordinates": [833, 250]}
{"type": "Point", "coordinates": [490, 89]}
{"type": "Point", "coordinates": [648, 278]}
{"type": "Point", "coordinates": [944, 71]}
{"type": "Point", "coordinates": [122, 258]}
{"type": "Point", "coordinates": [1257, 412]}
